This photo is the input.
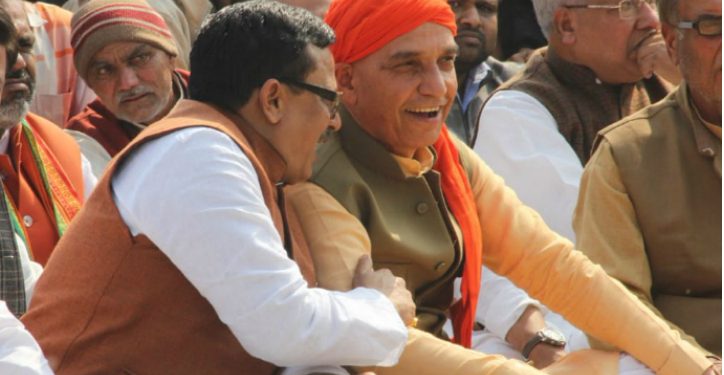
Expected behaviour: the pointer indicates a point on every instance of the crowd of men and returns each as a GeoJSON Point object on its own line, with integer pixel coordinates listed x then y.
{"type": "Point", "coordinates": [360, 186]}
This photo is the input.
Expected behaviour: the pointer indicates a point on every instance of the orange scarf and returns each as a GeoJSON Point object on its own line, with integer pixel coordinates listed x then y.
{"type": "Point", "coordinates": [459, 197]}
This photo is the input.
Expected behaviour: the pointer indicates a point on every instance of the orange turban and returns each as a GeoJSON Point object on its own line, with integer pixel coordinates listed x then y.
{"type": "Point", "coordinates": [365, 26]}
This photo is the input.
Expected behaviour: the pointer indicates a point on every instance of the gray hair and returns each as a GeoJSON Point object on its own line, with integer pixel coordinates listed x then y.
{"type": "Point", "coordinates": [668, 11]}
{"type": "Point", "coordinates": [544, 11]}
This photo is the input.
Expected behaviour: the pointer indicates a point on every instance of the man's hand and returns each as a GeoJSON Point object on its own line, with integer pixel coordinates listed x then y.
{"type": "Point", "coordinates": [715, 369]}
{"type": "Point", "coordinates": [384, 281]}
{"type": "Point", "coordinates": [524, 329]}
{"type": "Point", "coordinates": [544, 355]}
{"type": "Point", "coordinates": [652, 57]}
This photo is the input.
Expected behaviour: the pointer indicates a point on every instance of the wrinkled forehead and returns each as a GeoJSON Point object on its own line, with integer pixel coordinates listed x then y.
{"type": "Point", "coordinates": [16, 10]}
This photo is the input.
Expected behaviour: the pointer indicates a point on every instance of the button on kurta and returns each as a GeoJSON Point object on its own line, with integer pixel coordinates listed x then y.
{"type": "Point", "coordinates": [28, 220]}
{"type": "Point", "coordinates": [422, 208]}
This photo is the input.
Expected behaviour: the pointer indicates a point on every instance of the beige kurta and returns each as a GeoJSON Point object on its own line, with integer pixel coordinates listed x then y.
{"type": "Point", "coordinates": [520, 246]}
{"type": "Point", "coordinates": [649, 213]}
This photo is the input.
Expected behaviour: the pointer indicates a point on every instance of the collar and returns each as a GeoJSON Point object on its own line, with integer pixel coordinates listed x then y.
{"type": "Point", "coordinates": [192, 111]}
{"type": "Point", "coordinates": [575, 74]}
{"type": "Point", "coordinates": [473, 82]}
{"type": "Point", "coordinates": [420, 163]}
{"type": "Point", "coordinates": [5, 142]}
{"type": "Point", "coordinates": [714, 128]}
{"type": "Point", "coordinates": [369, 152]}
{"type": "Point", "coordinates": [34, 19]}
{"type": "Point", "coordinates": [706, 141]}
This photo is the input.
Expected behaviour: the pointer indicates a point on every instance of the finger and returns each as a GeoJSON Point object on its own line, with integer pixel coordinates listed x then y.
{"type": "Point", "coordinates": [364, 265]}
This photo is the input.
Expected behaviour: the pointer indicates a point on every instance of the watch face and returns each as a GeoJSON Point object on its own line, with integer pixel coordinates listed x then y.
{"type": "Point", "coordinates": [553, 335]}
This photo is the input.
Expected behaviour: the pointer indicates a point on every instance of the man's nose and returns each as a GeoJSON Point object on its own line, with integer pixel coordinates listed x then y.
{"type": "Point", "coordinates": [469, 17]}
{"type": "Point", "coordinates": [20, 63]}
{"type": "Point", "coordinates": [647, 17]}
{"type": "Point", "coordinates": [433, 83]}
{"type": "Point", "coordinates": [128, 78]}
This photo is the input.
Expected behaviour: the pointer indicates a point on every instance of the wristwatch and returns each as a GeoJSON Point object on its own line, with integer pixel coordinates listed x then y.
{"type": "Point", "coordinates": [546, 336]}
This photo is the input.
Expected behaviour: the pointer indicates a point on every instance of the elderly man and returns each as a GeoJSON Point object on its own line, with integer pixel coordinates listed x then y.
{"type": "Point", "coordinates": [603, 62]}
{"type": "Point", "coordinates": [478, 72]}
{"type": "Point", "coordinates": [429, 209]}
{"type": "Point", "coordinates": [45, 177]}
{"type": "Point", "coordinates": [650, 205]}
{"type": "Point", "coordinates": [183, 260]}
{"type": "Point", "coordinates": [126, 54]}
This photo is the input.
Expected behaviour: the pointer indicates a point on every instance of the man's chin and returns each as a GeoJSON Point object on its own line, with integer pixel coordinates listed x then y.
{"type": "Point", "coordinates": [12, 111]}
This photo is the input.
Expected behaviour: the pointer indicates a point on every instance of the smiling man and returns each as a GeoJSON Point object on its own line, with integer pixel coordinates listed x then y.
{"type": "Point", "coordinates": [185, 259]}
{"type": "Point", "coordinates": [394, 183]}
{"type": "Point", "coordinates": [125, 53]}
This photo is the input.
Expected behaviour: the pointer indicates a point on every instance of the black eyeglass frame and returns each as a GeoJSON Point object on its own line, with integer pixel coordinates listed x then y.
{"type": "Point", "coordinates": [637, 4]}
{"type": "Point", "coordinates": [695, 25]}
{"type": "Point", "coordinates": [326, 94]}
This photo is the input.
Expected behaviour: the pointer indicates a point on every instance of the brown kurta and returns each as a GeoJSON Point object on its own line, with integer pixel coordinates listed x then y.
{"type": "Point", "coordinates": [110, 303]}
{"type": "Point", "coordinates": [649, 212]}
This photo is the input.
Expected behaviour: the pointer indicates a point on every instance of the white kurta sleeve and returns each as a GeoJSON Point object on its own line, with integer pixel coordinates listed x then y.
{"type": "Point", "coordinates": [20, 354]}
{"type": "Point", "coordinates": [196, 196]}
{"type": "Point", "coordinates": [501, 303]}
{"type": "Point", "coordinates": [519, 139]}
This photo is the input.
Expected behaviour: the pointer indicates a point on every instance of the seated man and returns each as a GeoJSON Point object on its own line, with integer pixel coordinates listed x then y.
{"type": "Point", "coordinates": [649, 210]}
{"type": "Point", "coordinates": [432, 210]}
{"type": "Point", "coordinates": [185, 259]}
{"type": "Point", "coordinates": [45, 177]}
{"type": "Point", "coordinates": [478, 72]}
{"type": "Point", "coordinates": [601, 64]}
{"type": "Point", "coordinates": [125, 53]}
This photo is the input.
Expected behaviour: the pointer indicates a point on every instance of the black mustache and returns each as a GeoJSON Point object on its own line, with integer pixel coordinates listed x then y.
{"type": "Point", "coordinates": [470, 32]}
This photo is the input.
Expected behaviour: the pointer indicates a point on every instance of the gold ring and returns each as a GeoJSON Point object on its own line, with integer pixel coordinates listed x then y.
{"type": "Point", "coordinates": [413, 324]}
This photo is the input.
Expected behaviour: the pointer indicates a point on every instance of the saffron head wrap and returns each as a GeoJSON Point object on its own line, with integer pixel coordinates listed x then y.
{"type": "Point", "coordinates": [364, 26]}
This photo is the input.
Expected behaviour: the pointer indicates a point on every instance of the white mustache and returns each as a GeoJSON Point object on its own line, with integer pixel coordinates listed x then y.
{"type": "Point", "coordinates": [136, 91]}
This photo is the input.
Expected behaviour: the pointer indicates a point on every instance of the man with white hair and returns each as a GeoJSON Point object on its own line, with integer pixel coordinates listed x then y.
{"type": "Point", "coordinates": [664, 243]}
{"type": "Point", "coordinates": [605, 60]}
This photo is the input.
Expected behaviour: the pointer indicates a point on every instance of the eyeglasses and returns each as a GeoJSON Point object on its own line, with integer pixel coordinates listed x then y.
{"type": "Point", "coordinates": [328, 95]}
{"type": "Point", "coordinates": [704, 26]}
{"type": "Point", "coordinates": [627, 9]}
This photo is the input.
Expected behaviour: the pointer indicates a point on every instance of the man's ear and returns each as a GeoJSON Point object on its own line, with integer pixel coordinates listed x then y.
{"type": "Point", "coordinates": [565, 24]}
{"type": "Point", "coordinates": [671, 37]}
{"type": "Point", "coordinates": [272, 100]}
{"type": "Point", "coordinates": [344, 73]}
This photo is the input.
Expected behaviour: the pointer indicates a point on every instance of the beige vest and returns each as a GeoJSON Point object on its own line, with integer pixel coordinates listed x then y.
{"type": "Point", "coordinates": [110, 303]}
{"type": "Point", "coordinates": [580, 105]}
{"type": "Point", "coordinates": [365, 178]}
{"type": "Point", "coordinates": [668, 162]}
